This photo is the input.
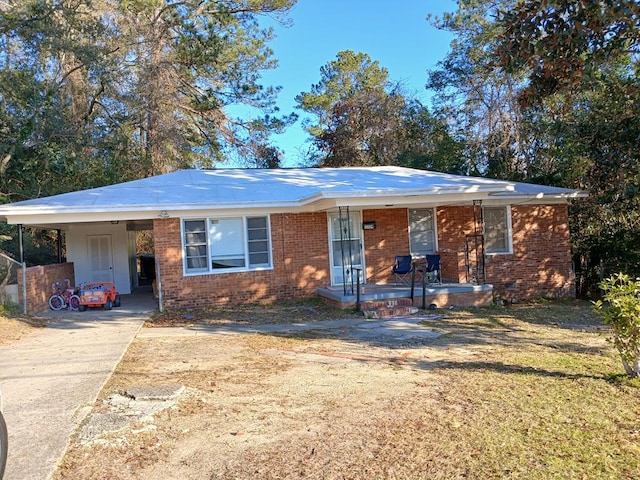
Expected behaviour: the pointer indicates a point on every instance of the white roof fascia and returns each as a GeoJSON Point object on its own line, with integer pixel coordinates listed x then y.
{"type": "Point", "coordinates": [31, 214]}
{"type": "Point", "coordinates": [542, 196]}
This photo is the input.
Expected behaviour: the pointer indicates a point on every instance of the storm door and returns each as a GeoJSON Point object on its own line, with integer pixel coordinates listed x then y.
{"type": "Point", "coordinates": [346, 248]}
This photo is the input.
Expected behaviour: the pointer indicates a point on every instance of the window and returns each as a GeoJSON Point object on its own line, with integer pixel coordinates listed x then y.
{"type": "Point", "coordinates": [422, 231]}
{"type": "Point", "coordinates": [195, 245]}
{"type": "Point", "coordinates": [497, 229]}
{"type": "Point", "coordinates": [223, 244]}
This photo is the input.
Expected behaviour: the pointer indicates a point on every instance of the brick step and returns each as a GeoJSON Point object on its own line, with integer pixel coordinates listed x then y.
{"type": "Point", "coordinates": [397, 307]}
{"type": "Point", "coordinates": [389, 303]}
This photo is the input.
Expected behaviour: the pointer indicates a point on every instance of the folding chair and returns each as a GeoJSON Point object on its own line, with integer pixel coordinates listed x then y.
{"type": "Point", "coordinates": [432, 270]}
{"type": "Point", "coordinates": [403, 269]}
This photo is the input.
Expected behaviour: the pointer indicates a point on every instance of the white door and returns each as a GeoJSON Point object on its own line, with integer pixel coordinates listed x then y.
{"type": "Point", "coordinates": [100, 258]}
{"type": "Point", "coordinates": [347, 249]}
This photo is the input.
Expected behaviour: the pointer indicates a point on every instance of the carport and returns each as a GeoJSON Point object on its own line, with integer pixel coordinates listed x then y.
{"type": "Point", "coordinates": [87, 252]}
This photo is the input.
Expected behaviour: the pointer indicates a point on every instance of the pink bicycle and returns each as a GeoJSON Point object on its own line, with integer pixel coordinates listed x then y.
{"type": "Point", "coordinates": [64, 296]}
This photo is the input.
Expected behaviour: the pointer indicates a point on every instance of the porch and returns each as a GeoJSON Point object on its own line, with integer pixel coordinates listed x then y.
{"type": "Point", "coordinates": [442, 295]}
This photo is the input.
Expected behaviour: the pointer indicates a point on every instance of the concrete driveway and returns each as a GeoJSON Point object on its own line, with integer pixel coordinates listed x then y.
{"type": "Point", "coordinates": [50, 380]}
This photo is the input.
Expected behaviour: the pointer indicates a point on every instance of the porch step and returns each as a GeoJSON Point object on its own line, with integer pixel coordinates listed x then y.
{"type": "Point", "coordinates": [394, 307]}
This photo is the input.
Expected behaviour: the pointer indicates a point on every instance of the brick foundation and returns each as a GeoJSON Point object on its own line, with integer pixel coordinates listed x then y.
{"type": "Point", "coordinates": [443, 300]}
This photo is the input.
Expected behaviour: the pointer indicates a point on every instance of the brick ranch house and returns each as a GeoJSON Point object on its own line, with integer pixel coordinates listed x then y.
{"type": "Point", "coordinates": [233, 236]}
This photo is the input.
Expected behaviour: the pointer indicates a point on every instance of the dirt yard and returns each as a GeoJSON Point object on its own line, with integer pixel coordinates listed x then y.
{"type": "Point", "coordinates": [472, 402]}
{"type": "Point", "coordinates": [13, 329]}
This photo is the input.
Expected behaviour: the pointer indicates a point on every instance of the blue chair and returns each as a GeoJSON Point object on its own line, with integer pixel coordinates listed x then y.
{"type": "Point", "coordinates": [403, 269]}
{"type": "Point", "coordinates": [432, 269]}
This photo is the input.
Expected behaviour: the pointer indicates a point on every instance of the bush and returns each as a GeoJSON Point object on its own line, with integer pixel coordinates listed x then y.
{"type": "Point", "coordinates": [621, 311]}
{"type": "Point", "coordinates": [9, 308]}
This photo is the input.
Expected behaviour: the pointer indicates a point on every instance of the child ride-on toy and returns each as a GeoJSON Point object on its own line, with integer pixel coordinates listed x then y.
{"type": "Point", "coordinates": [99, 294]}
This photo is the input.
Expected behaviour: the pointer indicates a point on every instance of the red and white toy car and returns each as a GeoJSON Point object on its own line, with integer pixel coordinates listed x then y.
{"type": "Point", "coordinates": [99, 294]}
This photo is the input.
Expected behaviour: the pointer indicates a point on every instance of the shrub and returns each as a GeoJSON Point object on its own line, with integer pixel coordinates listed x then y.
{"type": "Point", "coordinates": [621, 311]}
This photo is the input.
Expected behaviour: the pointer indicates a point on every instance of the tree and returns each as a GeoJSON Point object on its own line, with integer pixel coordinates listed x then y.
{"type": "Point", "coordinates": [581, 65]}
{"type": "Point", "coordinates": [51, 51]}
{"type": "Point", "coordinates": [268, 156]}
{"type": "Point", "coordinates": [477, 100]}
{"type": "Point", "coordinates": [363, 130]}
{"type": "Point", "coordinates": [101, 91]}
{"type": "Point", "coordinates": [362, 119]}
{"type": "Point", "coordinates": [340, 80]}
{"type": "Point", "coordinates": [563, 43]}
{"type": "Point", "coordinates": [188, 61]}
{"type": "Point", "coordinates": [428, 145]}
{"type": "Point", "coordinates": [546, 91]}
{"type": "Point", "coordinates": [347, 102]}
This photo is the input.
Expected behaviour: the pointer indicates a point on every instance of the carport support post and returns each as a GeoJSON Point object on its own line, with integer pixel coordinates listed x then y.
{"type": "Point", "coordinates": [59, 244]}
{"type": "Point", "coordinates": [24, 271]}
{"type": "Point", "coordinates": [20, 242]}
{"type": "Point", "coordinates": [24, 288]}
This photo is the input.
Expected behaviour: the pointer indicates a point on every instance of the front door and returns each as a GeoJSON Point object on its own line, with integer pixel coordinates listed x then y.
{"type": "Point", "coordinates": [346, 245]}
{"type": "Point", "coordinates": [100, 258]}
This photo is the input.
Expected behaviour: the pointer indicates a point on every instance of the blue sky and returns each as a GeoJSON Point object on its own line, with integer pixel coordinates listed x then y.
{"type": "Point", "coordinates": [395, 33]}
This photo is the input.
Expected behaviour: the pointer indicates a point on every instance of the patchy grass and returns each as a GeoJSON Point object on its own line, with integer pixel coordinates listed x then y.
{"type": "Point", "coordinates": [541, 402]}
{"type": "Point", "coordinates": [520, 392]}
{"type": "Point", "coordinates": [313, 310]}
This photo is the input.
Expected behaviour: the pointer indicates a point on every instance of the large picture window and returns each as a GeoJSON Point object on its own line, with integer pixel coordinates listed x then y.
{"type": "Point", "coordinates": [497, 229]}
{"type": "Point", "coordinates": [422, 231]}
{"type": "Point", "coordinates": [223, 244]}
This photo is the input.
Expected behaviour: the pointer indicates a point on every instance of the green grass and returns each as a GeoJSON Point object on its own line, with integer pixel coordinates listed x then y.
{"type": "Point", "coordinates": [545, 399]}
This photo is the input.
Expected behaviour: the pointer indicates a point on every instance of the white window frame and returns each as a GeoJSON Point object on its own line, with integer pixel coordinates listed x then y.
{"type": "Point", "coordinates": [509, 232]}
{"type": "Point", "coordinates": [435, 232]}
{"type": "Point", "coordinates": [208, 222]}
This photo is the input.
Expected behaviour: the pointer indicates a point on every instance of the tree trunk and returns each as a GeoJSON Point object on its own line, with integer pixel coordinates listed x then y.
{"type": "Point", "coordinates": [633, 370]}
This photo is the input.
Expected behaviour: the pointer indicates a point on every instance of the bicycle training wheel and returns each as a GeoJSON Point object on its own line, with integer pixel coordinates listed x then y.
{"type": "Point", "coordinates": [56, 302]}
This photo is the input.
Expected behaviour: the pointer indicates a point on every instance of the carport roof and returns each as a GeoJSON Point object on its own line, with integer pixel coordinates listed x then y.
{"type": "Point", "coordinates": [302, 189]}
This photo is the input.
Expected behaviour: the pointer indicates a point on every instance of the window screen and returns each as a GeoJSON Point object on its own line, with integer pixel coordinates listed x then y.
{"type": "Point", "coordinates": [422, 231]}
{"type": "Point", "coordinates": [496, 230]}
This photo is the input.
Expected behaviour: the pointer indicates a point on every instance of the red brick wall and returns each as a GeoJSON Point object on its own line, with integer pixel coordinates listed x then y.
{"type": "Point", "coordinates": [39, 281]}
{"type": "Point", "coordinates": [454, 224]}
{"type": "Point", "coordinates": [540, 265]}
{"type": "Point", "coordinates": [300, 246]}
{"type": "Point", "coordinates": [390, 238]}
